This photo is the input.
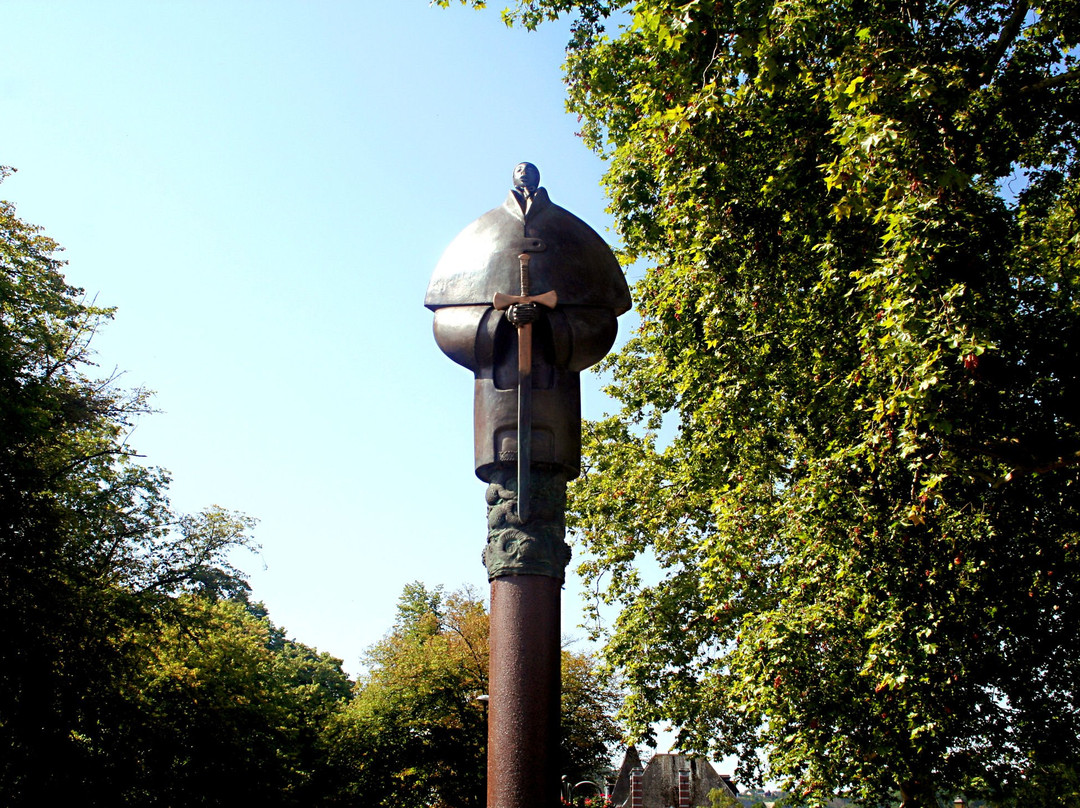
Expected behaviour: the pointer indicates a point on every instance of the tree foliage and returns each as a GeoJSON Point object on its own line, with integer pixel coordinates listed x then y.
{"type": "Point", "coordinates": [93, 561]}
{"type": "Point", "coordinates": [232, 711]}
{"type": "Point", "coordinates": [415, 734]}
{"type": "Point", "coordinates": [588, 730]}
{"type": "Point", "coordinates": [849, 434]}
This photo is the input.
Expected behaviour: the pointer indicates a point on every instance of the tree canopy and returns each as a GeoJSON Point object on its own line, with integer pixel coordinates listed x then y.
{"type": "Point", "coordinates": [416, 733]}
{"type": "Point", "coordinates": [133, 669]}
{"type": "Point", "coordinates": [849, 433]}
{"type": "Point", "coordinates": [230, 711]}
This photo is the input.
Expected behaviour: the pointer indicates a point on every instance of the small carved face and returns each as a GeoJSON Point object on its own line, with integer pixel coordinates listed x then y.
{"type": "Point", "coordinates": [526, 175]}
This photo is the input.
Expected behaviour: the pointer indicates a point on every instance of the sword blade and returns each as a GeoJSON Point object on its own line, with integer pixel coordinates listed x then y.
{"type": "Point", "coordinates": [524, 437]}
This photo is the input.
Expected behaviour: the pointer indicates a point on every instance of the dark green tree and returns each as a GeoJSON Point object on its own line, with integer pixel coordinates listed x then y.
{"type": "Point", "coordinates": [90, 551]}
{"type": "Point", "coordinates": [233, 712]}
{"type": "Point", "coordinates": [850, 436]}
{"type": "Point", "coordinates": [588, 731]}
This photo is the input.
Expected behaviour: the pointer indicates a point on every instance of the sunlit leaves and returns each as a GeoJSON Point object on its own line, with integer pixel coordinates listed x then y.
{"type": "Point", "coordinates": [847, 450]}
{"type": "Point", "coordinates": [415, 734]}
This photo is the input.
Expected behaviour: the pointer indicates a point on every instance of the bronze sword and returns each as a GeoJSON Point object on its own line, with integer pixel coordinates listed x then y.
{"type": "Point", "coordinates": [502, 302]}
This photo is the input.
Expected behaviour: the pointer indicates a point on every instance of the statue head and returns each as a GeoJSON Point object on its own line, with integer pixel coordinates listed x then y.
{"type": "Point", "coordinates": [527, 176]}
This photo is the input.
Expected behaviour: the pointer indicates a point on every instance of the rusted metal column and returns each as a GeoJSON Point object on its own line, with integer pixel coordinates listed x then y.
{"type": "Point", "coordinates": [525, 562]}
{"type": "Point", "coordinates": [524, 682]}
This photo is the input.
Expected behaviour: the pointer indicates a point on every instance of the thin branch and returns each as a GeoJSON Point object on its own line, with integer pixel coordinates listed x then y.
{"type": "Point", "coordinates": [472, 650]}
{"type": "Point", "coordinates": [82, 460]}
{"type": "Point", "coordinates": [1052, 81]}
{"type": "Point", "coordinates": [955, 4]}
{"type": "Point", "coordinates": [1059, 463]}
{"type": "Point", "coordinates": [1005, 39]}
{"type": "Point", "coordinates": [712, 61]}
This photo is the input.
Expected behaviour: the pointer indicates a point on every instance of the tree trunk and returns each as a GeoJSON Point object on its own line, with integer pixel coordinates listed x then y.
{"type": "Point", "coordinates": [917, 793]}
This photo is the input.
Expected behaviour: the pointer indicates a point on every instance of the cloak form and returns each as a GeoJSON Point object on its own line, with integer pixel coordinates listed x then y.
{"type": "Point", "coordinates": [567, 257]}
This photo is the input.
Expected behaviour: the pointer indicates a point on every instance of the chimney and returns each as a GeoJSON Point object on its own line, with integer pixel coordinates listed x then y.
{"type": "Point", "coordinates": [636, 793]}
{"type": "Point", "coordinates": [684, 788]}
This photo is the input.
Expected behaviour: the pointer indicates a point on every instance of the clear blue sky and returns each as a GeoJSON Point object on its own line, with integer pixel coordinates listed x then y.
{"type": "Point", "coordinates": [263, 189]}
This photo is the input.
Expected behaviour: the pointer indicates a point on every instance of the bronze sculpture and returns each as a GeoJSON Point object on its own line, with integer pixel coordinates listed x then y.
{"type": "Point", "coordinates": [526, 297]}
{"type": "Point", "coordinates": [565, 256]}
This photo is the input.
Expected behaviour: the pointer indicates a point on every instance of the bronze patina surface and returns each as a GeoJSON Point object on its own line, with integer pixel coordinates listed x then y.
{"type": "Point", "coordinates": [526, 297]}
{"type": "Point", "coordinates": [566, 257]}
{"type": "Point", "coordinates": [533, 547]}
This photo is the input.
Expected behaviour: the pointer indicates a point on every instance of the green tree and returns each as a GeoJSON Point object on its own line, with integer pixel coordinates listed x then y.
{"type": "Point", "coordinates": [89, 549]}
{"type": "Point", "coordinates": [588, 730]}
{"type": "Point", "coordinates": [718, 798]}
{"type": "Point", "coordinates": [415, 733]}
{"type": "Point", "coordinates": [849, 434]}
{"type": "Point", "coordinates": [233, 711]}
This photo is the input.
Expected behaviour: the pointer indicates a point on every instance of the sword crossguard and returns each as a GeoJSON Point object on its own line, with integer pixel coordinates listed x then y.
{"type": "Point", "coordinates": [502, 302]}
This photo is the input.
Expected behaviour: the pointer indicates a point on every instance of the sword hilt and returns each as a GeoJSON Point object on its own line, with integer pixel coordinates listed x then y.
{"type": "Point", "coordinates": [524, 258]}
{"type": "Point", "coordinates": [502, 302]}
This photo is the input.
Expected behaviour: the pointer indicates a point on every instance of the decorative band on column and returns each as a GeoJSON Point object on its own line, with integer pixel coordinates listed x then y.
{"type": "Point", "coordinates": [537, 547]}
